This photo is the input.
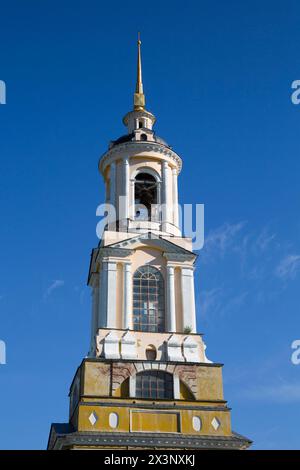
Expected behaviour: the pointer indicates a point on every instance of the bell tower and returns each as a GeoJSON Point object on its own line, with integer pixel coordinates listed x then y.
{"type": "Point", "coordinates": [146, 382]}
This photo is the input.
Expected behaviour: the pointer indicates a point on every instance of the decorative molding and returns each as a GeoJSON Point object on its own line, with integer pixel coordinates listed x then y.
{"type": "Point", "coordinates": [135, 149]}
{"type": "Point", "coordinates": [179, 257]}
{"type": "Point", "coordinates": [171, 250]}
{"type": "Point", "coordinates": [113, 252]}
{"type": "Point", "coordinates": [67, 439]}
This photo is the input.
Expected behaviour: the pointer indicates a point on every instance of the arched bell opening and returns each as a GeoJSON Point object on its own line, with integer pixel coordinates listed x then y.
{"type": "Point", "coordinates": [146, 196]}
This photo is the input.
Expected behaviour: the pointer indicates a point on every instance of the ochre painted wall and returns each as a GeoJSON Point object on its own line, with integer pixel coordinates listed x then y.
{"type": "Point", "coordinates": [96, 379]}
{"type": "Point", "coordinates": [145, 420]}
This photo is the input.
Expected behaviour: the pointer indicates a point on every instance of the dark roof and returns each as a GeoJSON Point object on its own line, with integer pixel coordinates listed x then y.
{"type": "Point", "coordinates": [123, 138]}
{"type": "Point", "coordinates": [130, 137]}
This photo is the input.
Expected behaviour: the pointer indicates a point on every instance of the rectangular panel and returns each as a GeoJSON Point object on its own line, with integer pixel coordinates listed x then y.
{"type": "Point", "coordinates": [154, 421]}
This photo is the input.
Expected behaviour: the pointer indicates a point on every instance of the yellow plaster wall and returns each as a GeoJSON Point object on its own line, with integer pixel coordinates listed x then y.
{"type": "Point", "coordinates": [209, 383]}
{"type": "Point", "coordinates": [96, 379]}
{"type": "Point", "coordinates": [206, 419]}
{"type": "Point", "coordinates": [185, 393]}
{"type": "Point", "coordinates": [155, 421]}
{"type": "Point", "coordinates": [145, 420]}
{"type": "Point", "coordinates": [102, 423]}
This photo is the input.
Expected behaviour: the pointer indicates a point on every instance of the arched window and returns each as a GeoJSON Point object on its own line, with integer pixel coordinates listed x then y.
{"type": "Point", "coordinates": [154, 384]}
{"type": "Point", "coordinates": [145, 196]}
{"type": "Point", "coordinates": [148, 300]}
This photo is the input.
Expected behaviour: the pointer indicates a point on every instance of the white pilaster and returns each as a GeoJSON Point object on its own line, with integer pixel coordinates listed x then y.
{"type": "Point", "coordinates": [102, 296]}
{"type": "Point", "coordinates": [166, 202]}
{"type": "Point", "coordinates": [132, 200]}
{"type": "Point", "coordinates": [171, 299]}
{"type": "Point", "coordinates": [126, 186]}
{"type": "Point", "coordinates": [112, 179]}
{"type": "Point", "coordinates": [175, 197]}
{"type": "Point", "coordinates": [127, 318]}
{"type": "Point", "coordinates": [132, 386]}
{"type": "Point", "coordinates": [176, 384]}
{"type": "Point", "coordinates": [188, 298]}
{"type": "Point", "coordinates": [95, 310]}
{"type": "Point", "coordinates": [107, 295]}
{"type": "Point", "coordinates": [111, 311]}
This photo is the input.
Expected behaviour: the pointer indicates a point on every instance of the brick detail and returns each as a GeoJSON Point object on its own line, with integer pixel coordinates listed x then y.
{"type": "Point", "coordinates": [187, 374]}
{"type": "Point", "coordinates": [120, 372]}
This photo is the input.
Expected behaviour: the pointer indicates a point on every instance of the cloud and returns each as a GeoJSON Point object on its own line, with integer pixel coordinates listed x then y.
{"type": "Point", "coordinates": [280, 392]}
{"type": "Point", "coordinates": [220, 301]}
{"type": "Point", "coordinates": [264, 239]}
{"type": "Point", "coordinates": [288, 267]}
{"type": "Point", "coordinates": [56, 284]}
{"type": "Point", "coordinates": [221, 238]}
{"type": "Point", "coordinates": [210, 301]}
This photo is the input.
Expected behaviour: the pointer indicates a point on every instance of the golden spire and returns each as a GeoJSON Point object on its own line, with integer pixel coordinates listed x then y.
{"type": "Point", "coordinates": [139, 97]}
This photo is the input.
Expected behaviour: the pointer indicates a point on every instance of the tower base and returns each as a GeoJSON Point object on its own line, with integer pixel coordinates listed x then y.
{"type": "Point", "coordinates": [106, 413]}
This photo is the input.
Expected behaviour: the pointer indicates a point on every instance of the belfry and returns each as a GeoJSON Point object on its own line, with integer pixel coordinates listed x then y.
{"type": "Point", "coordinates": [146, 382]}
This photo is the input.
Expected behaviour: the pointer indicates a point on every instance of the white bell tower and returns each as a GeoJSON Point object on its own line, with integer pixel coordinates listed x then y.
{"type": "Point", "coordinates": [140, 171]}
{"type": "Point", "coordinates": [147, 382]}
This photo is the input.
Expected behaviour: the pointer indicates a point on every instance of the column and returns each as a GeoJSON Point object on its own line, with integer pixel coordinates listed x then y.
{"type": "Point", "coordinates": [125, 192]}
{"type": "Point", "coordinates": [188, 298]}
{"type": "Point", "coordinates": [166, 202]}
{"type": "Point", "coordinates": [95, 309]}
{"type": "Point", "coordinates": [127, 311]}
{"type": "Point", "coordinates": [102, 296]}
{"type": "Point", "coordinates": [107, 295]}
{"type": "Point", "coordinates": [112, 179]}
{"type": "Point", "coordinates": [171, 299]}
{"type": "Point", "coordinates": [111, 310]}
{"type": "Point", "coordinates": [157, 215]}
{"type": "Point", "coordinates": [175, 197]}
{"type": "Point", "coordinates": [132, 200]}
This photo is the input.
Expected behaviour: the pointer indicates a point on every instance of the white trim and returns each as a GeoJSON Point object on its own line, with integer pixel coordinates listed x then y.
{"type": "Point", "coordinates": [188, 298]}
{"type": "Point", "coordinates": [126, 186]}
{"type": "Point", "coordinates": [132, 386]}
{"type": "Point", "coordinates": [171, 313]}
{"type": "Point", "coordinates": [175, 197]}
{"type": "Point", "coordinates": [111, 293]}
{"type": "Point", "coordinates": [102, 321]}
{"type": "Point", "coordinates": [112, 180]}
{"type": "Point", "coordinates": [127, 313]}
{"type": "Point", "coordinates": [176, 387]}
{"type": "Point", "coordinates": [146, 169]}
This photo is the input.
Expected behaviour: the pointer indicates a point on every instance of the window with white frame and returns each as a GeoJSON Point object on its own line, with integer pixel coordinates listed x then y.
{"type": "Point", "coordinates": [148, 300]}
{"type": "Point", "coordinates": [154, 384]}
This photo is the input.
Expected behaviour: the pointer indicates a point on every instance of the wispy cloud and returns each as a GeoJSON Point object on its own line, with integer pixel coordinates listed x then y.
{"type": "Point", "coordinates": [264, 240]}
{"type": "Point", "coordinates": [288, 267]}
{"type": "Point", "coordinates": [284, 392]}
{"type": "Point", "coordinates": [220, 301]}
{"type": "Point", "coordinates": [221, 238]}
{"type": "Point", "coordinates": [56, 284]}
{"type": "Point", "coordinates": [210, 301]}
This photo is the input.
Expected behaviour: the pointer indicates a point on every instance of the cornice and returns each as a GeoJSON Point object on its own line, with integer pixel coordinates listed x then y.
{"type": "Point", "coordinates": [136, 148]}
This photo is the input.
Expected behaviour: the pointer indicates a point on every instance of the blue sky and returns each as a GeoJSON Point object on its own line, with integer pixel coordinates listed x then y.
{"type": "Point", "coordinates": [218, 77]}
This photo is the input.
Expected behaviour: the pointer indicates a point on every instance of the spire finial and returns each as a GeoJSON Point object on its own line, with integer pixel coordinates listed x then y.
{"type": "Point", "coordinates": [139, 97]}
